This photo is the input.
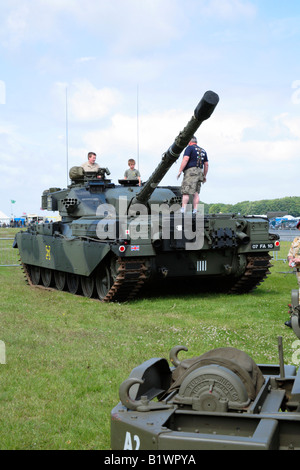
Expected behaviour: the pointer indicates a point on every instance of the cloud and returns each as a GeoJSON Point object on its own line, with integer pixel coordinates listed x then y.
{"type": "Point", "coordinates": [85, 59]}
{"type": "Point", "coordinates": [6, 128]}
{"type": "Point", "coordinates": [86, 103]}
{"type": "Point", "coordinates": [292, 123]}
{"type": "Point", "coordinates": [228, 9]}
{"type": "Point", "coordinates": [156, 130]}
{"type": "Point", "coordinates": [135, 69]}
{"type": "Point", "coordinates": [152, 22]}
{"type": "Point", "coordinates": [140, 25]}
{"type": "Point", "coordinates": [15, 26]}
{"type": "Point", "coordinates": [295, 98]}
{"type": "Point", "coordinates": [28, 21]}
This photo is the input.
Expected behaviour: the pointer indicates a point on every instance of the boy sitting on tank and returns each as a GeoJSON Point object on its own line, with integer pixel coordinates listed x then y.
{"type": "Point", "coordinates": [132, 173]}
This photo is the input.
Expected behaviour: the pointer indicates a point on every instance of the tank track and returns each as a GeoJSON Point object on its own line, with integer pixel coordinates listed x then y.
{"type": "Point", "coordinates": [130, 277]}
{"type": "Point", "coordinates": [257, 269]}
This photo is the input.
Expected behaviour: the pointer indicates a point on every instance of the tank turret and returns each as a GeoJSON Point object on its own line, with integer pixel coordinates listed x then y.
{"type": "Point", "coordinates": [114, 239]}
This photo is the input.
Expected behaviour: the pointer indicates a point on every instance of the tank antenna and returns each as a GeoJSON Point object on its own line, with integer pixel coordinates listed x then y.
{"type": "Point", "coordinates": [67, 137]}
{"type": "Point", "coordinates": [137, 128]}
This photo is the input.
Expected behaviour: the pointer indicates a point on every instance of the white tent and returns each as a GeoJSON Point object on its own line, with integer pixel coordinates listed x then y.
{"type": "Point", "coordinates": [4, 218]}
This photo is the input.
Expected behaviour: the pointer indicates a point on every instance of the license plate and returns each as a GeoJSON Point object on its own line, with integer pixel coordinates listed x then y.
{"type": "Point", "coordinates": [262, 246]}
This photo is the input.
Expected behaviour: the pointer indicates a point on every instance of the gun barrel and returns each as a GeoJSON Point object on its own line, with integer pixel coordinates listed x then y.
{"type": "Point", "coordinates": [202, 112]}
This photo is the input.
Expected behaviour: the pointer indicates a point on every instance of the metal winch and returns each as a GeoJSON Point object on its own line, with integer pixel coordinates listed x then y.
{"type": "Point", "coordinates": [221, 399]}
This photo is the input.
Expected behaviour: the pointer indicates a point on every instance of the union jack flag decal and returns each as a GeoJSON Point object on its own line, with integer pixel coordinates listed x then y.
{"type": "Point", "coordinates": [135, 248]}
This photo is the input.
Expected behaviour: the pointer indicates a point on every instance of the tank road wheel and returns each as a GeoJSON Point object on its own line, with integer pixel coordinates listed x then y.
{"type": "Point", "coordinates": [60, 280]}
{"type": "Point", "coordinates": [103, 282]}
{"type": "Point", "coordinates": [35, 274]}
{"type": "Point", "coordinates": [73, 283]}
{"type": "Point", "coordinates": [47, 277]}
{"type": "Point", "coordinates": [88, 286]}
{"type": "Point", "coordinates": [114, 268]}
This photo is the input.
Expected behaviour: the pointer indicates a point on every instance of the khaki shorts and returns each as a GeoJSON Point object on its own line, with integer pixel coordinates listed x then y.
{"type": "Point", "coordinates": [192, 180]}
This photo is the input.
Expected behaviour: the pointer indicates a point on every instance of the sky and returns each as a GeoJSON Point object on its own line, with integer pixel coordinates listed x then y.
{"type": "Point", "coordinates": [123, 78]}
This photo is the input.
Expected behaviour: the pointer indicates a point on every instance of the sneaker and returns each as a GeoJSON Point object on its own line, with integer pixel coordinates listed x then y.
{"type": "Point", "coordinates": [194, 211]}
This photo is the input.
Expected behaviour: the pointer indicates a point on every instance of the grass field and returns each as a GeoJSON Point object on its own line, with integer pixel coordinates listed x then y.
{"type": "Point", "coordinates": [67, 355]}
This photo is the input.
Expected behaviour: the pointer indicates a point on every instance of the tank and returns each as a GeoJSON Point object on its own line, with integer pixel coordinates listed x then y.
{"type": "Point", "coordinates": [115, 239]}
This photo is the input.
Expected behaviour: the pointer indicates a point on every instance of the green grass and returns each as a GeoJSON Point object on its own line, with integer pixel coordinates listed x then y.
{"type": "Point", "coordinates": [66, 356]}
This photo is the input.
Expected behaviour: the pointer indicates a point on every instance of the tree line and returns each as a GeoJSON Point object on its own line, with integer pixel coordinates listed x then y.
{"type": "Point", "coordinates": [288, 205]}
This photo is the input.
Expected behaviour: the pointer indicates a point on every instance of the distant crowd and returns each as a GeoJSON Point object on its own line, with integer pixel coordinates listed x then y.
{"type": "Point", "coordinates": [15, 223]}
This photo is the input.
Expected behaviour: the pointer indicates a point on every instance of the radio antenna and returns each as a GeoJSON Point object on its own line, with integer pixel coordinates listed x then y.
{"type": "Point", "coordinates": [137, 128]}
{"type": "Point", "coordinates": [67, 137]}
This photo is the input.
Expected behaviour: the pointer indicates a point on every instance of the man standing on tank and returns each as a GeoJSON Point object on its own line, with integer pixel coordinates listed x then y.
{"type": "Point", "coordinates": [194, 165]}
{"type": "Point", "coordinates": [91, 164]}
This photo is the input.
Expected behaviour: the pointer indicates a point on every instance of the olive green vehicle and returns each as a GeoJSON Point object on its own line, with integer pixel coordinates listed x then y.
{"type": "Point", "coordinates": [219, 400]}
{"type": "Point", "coordinates": [114, 239]}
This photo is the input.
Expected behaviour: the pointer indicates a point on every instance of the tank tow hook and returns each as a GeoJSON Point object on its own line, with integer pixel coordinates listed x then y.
{"type": "Point", "coordinates": [144, 404]}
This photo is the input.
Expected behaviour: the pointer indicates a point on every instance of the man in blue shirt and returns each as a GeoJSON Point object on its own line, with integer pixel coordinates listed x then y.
{"type": "Point", "coordinates": [194, 165]}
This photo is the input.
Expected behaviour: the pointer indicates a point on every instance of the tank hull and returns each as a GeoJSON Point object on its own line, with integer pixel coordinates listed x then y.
{"type": "Point", "coordinates": [230, 251]}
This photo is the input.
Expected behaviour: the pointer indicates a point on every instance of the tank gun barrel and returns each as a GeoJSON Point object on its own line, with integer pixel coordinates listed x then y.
{"type": "Point", "coordinates": [202, 112]}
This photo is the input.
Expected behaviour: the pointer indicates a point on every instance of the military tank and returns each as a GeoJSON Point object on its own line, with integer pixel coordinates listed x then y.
{"type": "Point", "coordinates": [114, 239]}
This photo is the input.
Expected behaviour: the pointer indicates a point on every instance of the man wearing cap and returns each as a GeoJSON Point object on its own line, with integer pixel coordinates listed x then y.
{"type": "Point", "coordinates": [294, 256]}
{"type": "Point", "coordinates": [194, 165]}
